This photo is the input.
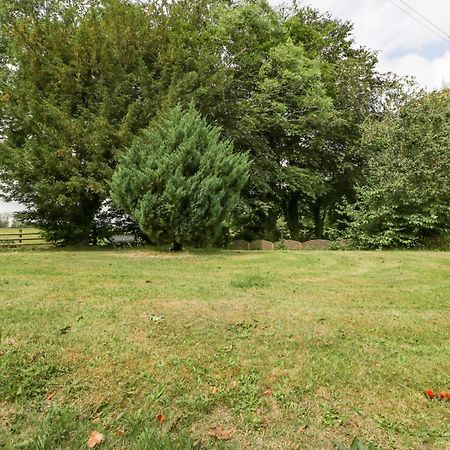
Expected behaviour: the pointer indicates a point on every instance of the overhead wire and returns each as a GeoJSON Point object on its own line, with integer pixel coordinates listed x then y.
{"type": "Point", "coordinates": [425, 18]}
{"type": "Point", "coordinates": [446, 39]}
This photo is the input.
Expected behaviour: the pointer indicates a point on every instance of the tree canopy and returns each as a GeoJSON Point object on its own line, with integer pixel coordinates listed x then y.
{"type": "Point", "coordinates": [406, 195]}
{"type": "Point", "coordinates": [289, 86]}
{"type": "Point", "coordinates": [179, 180]}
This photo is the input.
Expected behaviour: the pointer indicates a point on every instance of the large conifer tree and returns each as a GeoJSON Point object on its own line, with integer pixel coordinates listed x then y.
{"type": "Point", "coordinates": [179, 180]}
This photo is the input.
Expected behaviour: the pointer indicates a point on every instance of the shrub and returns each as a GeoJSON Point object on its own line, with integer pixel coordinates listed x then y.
{"type": "Point", "coordinates": [179, 180]}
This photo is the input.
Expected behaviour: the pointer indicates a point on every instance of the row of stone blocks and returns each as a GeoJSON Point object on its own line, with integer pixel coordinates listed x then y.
{"type": "Point", "coordinates": [287, 244]}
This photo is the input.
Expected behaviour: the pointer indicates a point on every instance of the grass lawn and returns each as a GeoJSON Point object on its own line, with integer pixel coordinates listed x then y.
{"type": "Point", "coordinates": [263, 350]}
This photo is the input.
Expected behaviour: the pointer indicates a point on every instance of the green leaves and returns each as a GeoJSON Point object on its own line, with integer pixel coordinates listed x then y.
{"type": "Point", "coordinates": [407, 193]}
{"type": "Point", "coordinates": [179, 180]}
{"type": "Point", "coordinates": [79, 80]}
{"type": "Point", "coordinates": [355, 445]}
{"type": "Point", "coordinates": [74, 78]}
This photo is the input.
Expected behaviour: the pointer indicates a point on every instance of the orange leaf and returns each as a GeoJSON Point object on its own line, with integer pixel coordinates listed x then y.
{"type": "Point", "coordinates": [219, 433]}
{"type": "Point", "coordinates": [429, 393]}
{"type": "Point", "coordinates": [160, 418]}
{"type": "Point", "coordinates": [95, 438]}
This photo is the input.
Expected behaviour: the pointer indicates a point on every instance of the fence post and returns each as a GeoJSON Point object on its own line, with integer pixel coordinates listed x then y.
{"type": "Point", "coordinates": [20, 235]}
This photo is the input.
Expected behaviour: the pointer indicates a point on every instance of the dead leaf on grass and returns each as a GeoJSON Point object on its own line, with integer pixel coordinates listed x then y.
{"type": "Point", "coordinates": [219, 433]}
{"type": "Point", "coordinates": [160, 418]}
{"type": "Point", "coordinates": [96, 438]}
{"type": "Point", "coordinates": [50, 395]}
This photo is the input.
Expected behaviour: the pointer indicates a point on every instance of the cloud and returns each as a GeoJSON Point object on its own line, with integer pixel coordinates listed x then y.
{"type": "Point", "coordinates": [405, 47]}
{"type": "Point", "coordinates": [429, 73]}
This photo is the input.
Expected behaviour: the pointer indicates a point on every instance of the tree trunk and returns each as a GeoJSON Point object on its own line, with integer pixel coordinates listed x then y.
{"type": "Point", "coordinates": [176, 247]}
{"type": "Point", "coordinates": [292, 217]}
{"type": "Point", "coordinates": [318, 219]}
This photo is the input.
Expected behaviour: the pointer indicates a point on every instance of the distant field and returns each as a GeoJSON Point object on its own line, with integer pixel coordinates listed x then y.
{"type": "Point", "coordinates": [263, 350]}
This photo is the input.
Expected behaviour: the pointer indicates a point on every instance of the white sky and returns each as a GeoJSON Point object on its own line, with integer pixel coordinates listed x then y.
{"type": "Point", "coordinates": [8, 207]}
{"type": "Point", "coordinates": [405, 47]}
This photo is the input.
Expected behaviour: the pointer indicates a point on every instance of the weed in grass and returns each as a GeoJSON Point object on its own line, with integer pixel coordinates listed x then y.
{"type": "Point", "coordinates": [242, 329]}
{"type": "Point", "coordinates": [25, 376]}
{"type": "Point", "coordinates": [250, 280]}
{"type": "Point", "coordinates": [61, 424]}
{"type": "Point", "coordinates": [355, 445]}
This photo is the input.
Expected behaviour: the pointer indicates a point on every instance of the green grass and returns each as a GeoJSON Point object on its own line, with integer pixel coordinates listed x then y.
{"type": "Point", "coordinates": [281, 349]}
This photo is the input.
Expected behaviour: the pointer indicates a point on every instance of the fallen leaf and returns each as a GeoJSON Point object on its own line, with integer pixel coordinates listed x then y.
{"type": "Point", "coordinates": [50, 395]}
{"type": "Point", "coordinates": [95, 438]}
{"type": "Point", "coordinates": [219, 433]}
{"type": "Point", "coordinates": [160, 418]}
{"type": "Point", "coordinates": [429, 393]}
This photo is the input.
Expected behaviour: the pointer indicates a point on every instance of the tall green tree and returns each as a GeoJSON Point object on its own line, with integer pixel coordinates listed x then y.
{"type": "Point", "coordinates": [77, 81]}
{"type": "Point", "coordinates": [406, 196]}
{"type": "Point", "coordinates": [303, 135]}
{"type": "Point", "coordinates": [357, 91]}
{"type": "Point", "coordinates": [179, 180]}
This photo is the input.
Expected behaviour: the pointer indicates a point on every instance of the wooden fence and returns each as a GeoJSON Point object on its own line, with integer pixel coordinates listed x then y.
{"type": "Point", "coordinates": [21, 237]}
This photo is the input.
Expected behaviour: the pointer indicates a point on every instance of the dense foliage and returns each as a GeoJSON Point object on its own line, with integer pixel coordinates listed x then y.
{"type": "Point", "coordinates": [406, 196]}
{"type": "Point", "coordinates": [179, 181]}
{"type": "Point", "coordinates": [79, 79]}
{"type": "Point", "coordinates": [72, 90]}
